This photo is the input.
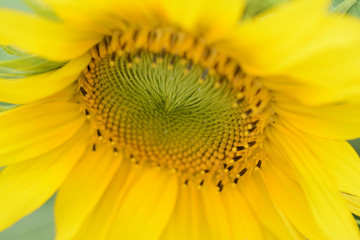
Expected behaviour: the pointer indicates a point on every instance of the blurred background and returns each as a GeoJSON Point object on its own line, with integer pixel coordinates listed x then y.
{"type": "Point", "coordinates": [40, 224]}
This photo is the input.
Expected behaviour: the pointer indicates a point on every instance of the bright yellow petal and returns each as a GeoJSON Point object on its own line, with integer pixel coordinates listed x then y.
{"type": "Point", "coordinates": [99, 17]}
{"type": "Point", "coordinates": [39, 86]}
{"type": "Point", "coordinates": [215, 218]}
{"type": "Point", "coordinates": [147, 206]}
{"type": "Point", "coordinates": [256, 193]}
{"type": "Point", "coordinates": [83, 189]}
{"type": "Point", "coordinates": [31, 130]}
{"type": "Point", "coordinates": [316, 50]}
{"type": "Point", "coordinates": [212, 18]}
{"type": "Point", "coordinates": [353, 202]}
{"type": "Point", "coordinates": [337, 121]}
{"type": "Point", "coordinates": [97, 224]}
{"type": "Point", "coordinates": [26, 186]}
{"type": "Point", "coordinates": [187, 221]}
{"type": "Point", "coordinates": [261, 47]}
{"type": "Point", "coordinates": [291, 200]}
{"type": "Point", "coordinates": [328, 208]}
{"type": "Point", "coordinates": [341, 161]}
{"type": "Point", "coordinates": [313, 94]}
{"type": "Point", "coordinates": [128, 177]}
{"type": "Point", "coordinates": [207, 214]}
{"type": "Point", "coordinates": [51, 40]}
{"type": "Point", "coordinates": [242, 221]}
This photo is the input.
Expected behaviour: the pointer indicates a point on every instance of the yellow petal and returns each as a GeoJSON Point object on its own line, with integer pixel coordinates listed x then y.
{"type": "Point", "coordinates": [242, 221]}
{"type": "Point", "coordinates": [149, 204]}
{"type": "Point", "coordinates": [313, 94]}
{"type": "Point", "coordinates": [218, 18]}
{"type": "Point", "coordinates": [337, 121]}
{"type": "Point", "coordinates": [207, 214]}
{"type": "Point", "coordinates": [271, 217]}
{"type": "Point", "coordinates": [51, 40]}
{"type": "Point", "coordinates": [353, 202]}
{"type": "Point", "coordinates": [215, 213]}
{"type": "Point", "coordinates": [328, 208]}
{"type": "Point", "coordinates": [290, 199]}
{"type": "Point", "coordinates": [261, 47]}
{"type": "Point", "coordinates": [39, 86]}
{"type": "Point", "coordinates": [341, 161]}
{"type": "Point", "coordinates": [319, 50]}
{"type": "Point", "coordinates": [26, 186]}
{"type": "Point", "coordinates": [99, 17]}
{"type": "Point", "coordinates": [213, 19]}
{"type": "Point", "coordinates": [187, 221]}
{"type": "Point", "coordinates": [82, 190]}
{"type": "Point", "coordinates": [210, 18]}
{"type": "Point", "coordinates": [97, 224]}
{"type": "Point", "coordinates": [31, 130]}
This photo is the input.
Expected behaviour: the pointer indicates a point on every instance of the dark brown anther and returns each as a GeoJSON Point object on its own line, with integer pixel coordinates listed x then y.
{"type": "Point", "coordinates": [205, 73]}
{"type": "Point", "coordinates": [124, 46]}
{"type": "Point", "coordinates": [237, 70]}
{"type": "Point", "coordinates": [202, 182]}
{"type": "Point", "coordinates": [186, 182]}
{"type": "Point", "coordinates": [230, 168]}
{"type": "Point", "coordinates": [207, 52]}
{"type": "Point", "coordinates": [87, 112]}
{"type": "Point", "coordinates": [240, 100]}
{"type": "Point", "coordinates": [128, 56]}
{"type": "Point", "coordinates": [255, 122]}
{"type": "Point", "coordinates": [228, 60]}
{"type": "Point", "coordinates": [237, 158]}
{"type": "Point", "coordinates": [251, 143]}
{"type": "Point", "coordinates": [162, 54]}
{"type": "Point", "coordinates": [258, 103]}
{"type": "Point", "coordinates": [189, 66]}
{"type": "Point", "coordinates": [83, 91]}
{"type": "Point", "coordinates": [172, 61]}
{"type": "Point", "coordinates": [138, 54]}
{"type": "Point", "coordinates": [225, 165]}
{"type": "Point", "coordinates": [236, 180]}
{"type": "Point", "coordinates": [248, 112]}
{"type": "Point", "coordinates": [98, 133]}
{"type": "Point", "coordinates": [94, 147]}
{"type": "Point", "coordinates": [242, 172]}
{"type": "Point", "coordinates": [173, 39]}
{"type": "Point", "coordinates": [115, 150]}
{"type": "Point", "coordinates": [239, 148]}
{"type": "Point", "coordinates": [259, 164]}
{"type": "Point", "coordinates": [219, 183]}
{"type": "Point", "coordinates": [221, 187]}
{"type": "Point", "coordinates": [251, 130]}
{"type": "Point", "coordinates": [242, 89]}
{"type": "Point", "coordinates": [206, 170]}
{"type": "Point", "coordinates": [258, 91]}
{"type": "Point", "coordinates": [135, 35]}
{"type": "Point", "coordinates": [149, 37]}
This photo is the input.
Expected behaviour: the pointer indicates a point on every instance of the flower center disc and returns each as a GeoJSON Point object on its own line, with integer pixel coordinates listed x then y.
{"type": "Point", "coordinates": [167, 110]}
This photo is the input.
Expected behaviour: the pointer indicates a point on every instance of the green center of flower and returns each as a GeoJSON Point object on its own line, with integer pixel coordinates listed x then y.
{"type": "Point", "coordinates": [174, 112]}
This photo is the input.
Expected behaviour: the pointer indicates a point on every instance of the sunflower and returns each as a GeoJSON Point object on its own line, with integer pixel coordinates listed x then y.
{"type": "Point", "coordinates": [173, 120]}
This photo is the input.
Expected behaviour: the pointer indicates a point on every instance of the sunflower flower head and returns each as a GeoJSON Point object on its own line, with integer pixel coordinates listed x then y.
{"type": "Point", "coordinates": [170, 100]}
{"type": "Point", "coordinates": [176, 120]}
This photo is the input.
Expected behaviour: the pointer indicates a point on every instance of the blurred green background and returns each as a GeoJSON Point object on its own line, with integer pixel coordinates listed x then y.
{"type": "Point", "coordinates": [40, 224]}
